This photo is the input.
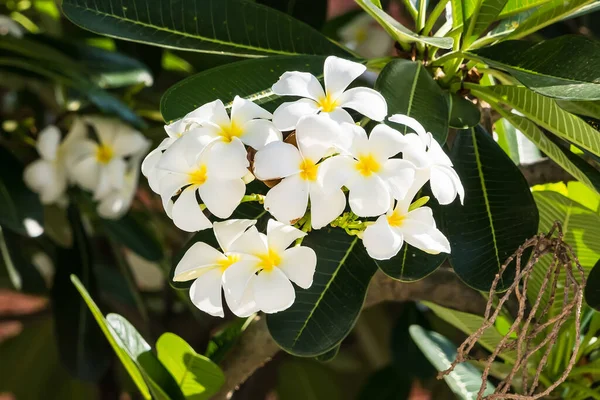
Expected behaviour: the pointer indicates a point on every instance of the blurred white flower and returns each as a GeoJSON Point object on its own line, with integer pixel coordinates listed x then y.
{"type": "Point", "coordinates": [10, 27]}
{"type": "Point", "coordinates": [338, 75]}
{"type": "Point", "coordinates": [299, 168]}
{"type": "Point", "coordinates": [366, 37]}
{"type": "Point", "coordinates": [268, 268]}
{"type": "Point", "coordinates": [206, 265]}
{"type": "Point", "coordinates": [384, 239]}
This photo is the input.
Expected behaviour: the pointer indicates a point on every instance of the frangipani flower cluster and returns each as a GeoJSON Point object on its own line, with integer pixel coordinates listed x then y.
{"type": "Point", "coordinates": [98, 154]}
{"type": "Point", "coordinates": [318, 164]}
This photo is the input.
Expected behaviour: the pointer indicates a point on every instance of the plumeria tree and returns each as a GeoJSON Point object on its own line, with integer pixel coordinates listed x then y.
{"type": "Point", "coordinates": [252, 175]}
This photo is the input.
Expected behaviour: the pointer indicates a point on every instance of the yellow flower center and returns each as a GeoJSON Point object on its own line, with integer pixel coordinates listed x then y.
{"type": "Point", "coordinates": [228, 132]}
{"type": "Point", "coordinates": [104, 154]}
{"type": "Point", "coordinates": [367, 165]}
{"type": "Point", "coordinates": [197, 177]}
{"type": "Point", "coordinates": [396, 219]}
{"type": "Point", "coordinates": [361, 35]}
{"type": "Point", "coordinates": [308, 170]}
{"type": "Point", "coordinates": [327, 104]}
{"type": "Point", "coordinates": [228, 262]}
{"type": "Point", "coordinates": [270, 260]}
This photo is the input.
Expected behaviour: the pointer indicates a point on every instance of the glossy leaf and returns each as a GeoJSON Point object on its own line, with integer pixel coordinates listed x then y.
{"type": "Point", "coordinates": [410, 90]}
{"type": "Point", "coordinates": [456, 7]}
{"type": "Point", "coordinates": [161, 383]}
{"type": "Point", "coordinates": [116, 343]}
{"type": "Point", "coordinates": [465, 380]}
{"type": "Point", "coordinates": [484, 13]}
{"type": "Point", "coordinates": [513, 7]}
{"type": "Point", "coordinates": [133, 235]}
{"type": "Point", "coordinates": [463, 113]}
{"type": "Point", "coordinates": [20, 208]}
{"type": "Point", "coordinates": [498, 214]}
{"type": "Point", "coordinates": [323, 315]}
{"type": "Point", "coordinates": [83, 350]}
{"type": "Point", "coordinates": [544, 68]}
{"type": "Point", "coordinates": [544, 112]}
{"type": "Point", "coordinates": [216, 83]}
{"type": "Point", "coordinates": [592, 288]}
{"type": "Point", "coordinates": [586, 108]}
{"type": "Point", "coordinates": [226, 338]}
{"type": "Point", "coordinates": [502, 29]}
{"type": "Point", "coordinates": [235, 27]}
{"type": "Point", "coordinates": [197, 376]}
{"type": "Point", "coordinates": [507, 139]}
{"type": "Point", "coordinates": [398, 31]}
{"type": "Point", "coordinates": [299, 379]}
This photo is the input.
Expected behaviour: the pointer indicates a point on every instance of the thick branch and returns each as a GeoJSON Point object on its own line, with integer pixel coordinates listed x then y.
{"type": "Point", "coordinates": [544, 171]}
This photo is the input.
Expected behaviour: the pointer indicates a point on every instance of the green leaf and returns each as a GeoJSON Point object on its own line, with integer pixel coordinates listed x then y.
{"type": "Point", "coordinates": [468, 324]}
{"type": "Point", "coordinates": [485, 12]}
{"type": "Point", "coordinates": [22, 274]}
{"type": "Point", "coordinates": [498, 214]}
{"type": "Point", "coordinates": [547, 14]}
{"type": "Point", "coordinates": [544, 112]}
{"type": "Point", "coordinates": [502, 29]}
{"type": "Point", "coordinates": [323, 315]}
{"type": "Point", "coordinates": [587, 108]}
{"type": "Point", "coordinates": [197, 376]}
{"type": "Point", "coordinates": [457, 14]}
{"type": "Point", "coordinates": [224, 339]}
{"type": "Point", "coordinates": [116, 343]}
{"type": "Point", "coordinates": [216, 83]}
{"type": "Point", "coordinates": [398, 31]}
{"type": "Point", "coordinates": [135, 236]}
{"type": "Point", "coordinates": [20, 208]}
{"type": "Point", "coordinates": [409, 89]}
{"type": "Point", "coordinates": [466, 379]}
{"type": "Point", "coordinates": [386, 384]}
{"type": "Point", "coordinates": [330, 355]}
{"type": "Point", "coordinates": [463, 113]}
{"type": "Point", "coordinates": [299, 379]}
{"type": "Point", "coordinates": [513, 7]}
{"type": "Point", "coordinates": [234, 27]}
{"type": "Point", "coordinates": [161, 383]}
{"type": "Point", "coordinates": [507, 139]}
{"type": "Point", "coordinates": [544, 69]}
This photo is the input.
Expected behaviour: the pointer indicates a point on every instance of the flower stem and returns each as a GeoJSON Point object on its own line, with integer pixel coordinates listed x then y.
{"type": "Point", "coordinates": [434, 16]}
{"type": "Point", "coordinates": [253, 197]}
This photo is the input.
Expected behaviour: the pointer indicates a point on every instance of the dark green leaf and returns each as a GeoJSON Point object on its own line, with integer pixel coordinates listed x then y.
{"type": "Point", "coordinates": [216, 83]}
{"type": "Point", "coordinates": [335, 24]}
{"type": "Point", "coordinates": [224, 340]}
{"type": "Point", "coordinates": [23, 275]}
{"type": "Point", "coordinates": [463, 113]}
{"type": "Point", "coordinates": [323, 315]}
{"type": "Point", "coordinates": [306, 380]}
{"type": "Point", "coordinates": [587, 108]}
{"type": "Point", "coordinates": [20, 208]}
{"type": "Point", "coordinates": [130, 233]}
{"type": "Point", "coordinates": [410, 90]}
{"type": "Point", "coordinates": [312, 12]}
{"type": "Point", "coordinates": [465, 380]}
{"type": "Point", "coordinates": [197, 376]}
{"type": "Point", "coordinates": [235, 27]}
{"type": "Point", "coordinates": [386, 384]}
{"type": "Point", "coordinates": [498, 215]}
{"type": "Point", "coordinates": [330, 355]}
{"type": "Point", "coordinates": [484, 13]}
{"type": "Point", "coordinates": [502, 29]}
{"type": "Point", "coordinates": [544, 68]}
{"type": "Point", "coordinates": [81, 344]}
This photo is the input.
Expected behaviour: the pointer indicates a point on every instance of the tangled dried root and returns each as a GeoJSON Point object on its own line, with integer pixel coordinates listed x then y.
{"type": "Point", "coordinates": [531, 322]}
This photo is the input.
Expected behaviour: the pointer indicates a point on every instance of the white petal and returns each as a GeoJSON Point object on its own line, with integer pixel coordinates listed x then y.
{"type": "Point", "coordinates": [409, 122]}
{"type": "Point", "coordinates": [381, 241]}
{"type": "Point", "coordinates": [287, 201]}
{"type": "Point", "coordinates": [250, 242]}
{"type": "Point", "coordinates": [366, 101]}
{"type": "Point", "coordinates": [325, 207]}
{"type": "Point", "coordinates": [246, 306]}
{"type": "Point", "coordinates": [339, 115]}
{"type": "Point", "coordinates": [340, 73]}
{"type": "Point", "coordinates": [236, 279]}
{"type": "Point", "coordinates": [258, 133]}
{"type": "Point", "coordinates": [210, 112]}
{"type": "Point", "coordinates": [244, 110]}
{"type": "Point", "coordinates": [47, 179]}
{"type": "Point", "coordinates": [386, 142]}
{"type": "Point", "coordinates": [273, 291]}
{"type": "Point", "coordinates": [222, 197]}
{"type": "Point", "coordinates": [80, 150]}
{"type": "Point", "coordinates": [129, 142]}
{"type": "Point", "coordinates": [181, 156]}
{"type": "Point", "coordinates": [170, 184]}
{"type": "Point", "coordinates": [111, 177]}
{"type": "Point", "coordinates": [86, 173]}
{"type": "Point", "coordinates": [422, 215]}
{"type": "Point", "coordinates": [359, 142]}
{"type": "Point", "coordinates": [280, 236]}
{"type": "Point", "coordinates": [114, 205]}
{"type": "Point", "coordinates": [228, 231]}
{"type": "Point", "coordinates": [277, 160]}
{"type": "Point", "coordinates": [316, 135]}
{"type": "Point", "coordinates": [424, 237]}
{"type": "Point", "coordinates": [149, 166]}
{"type": "Point", "coordinates": [176, 129]}
{"type": "Point", "coordinates": [77, 132]}
{"type": "Point", "coordinates": [187, 214]}
{"type": "Point", "coordinates": [437, 154]}
{"type": "Point", "coordinates": [105, 128]}
{"type": "Point", "coordinates": [300, 84]}
{"type": "Point", "coordinates": [227, 160]}
{"type": "Point", "coordinates": [334, 172]}
{"type": "Point", "coordinates": [399, 175]}
{"type": "Point", "coordinates": [287, 115]}
{"type": "Point", "coordinates": [48, 141]}
{"type": "Point", "coordinates": [195, 261]}
{"type": "Point", "coordinates": [368, 197]}
{"type": "Point", "coordinates": [205, 293]}
{"type": "Point", "coordinates": [299, 264]}
{"type": "Point", "coordinates": [445, 185]}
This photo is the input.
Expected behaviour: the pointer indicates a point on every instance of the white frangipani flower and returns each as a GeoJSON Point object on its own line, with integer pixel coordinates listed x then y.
{"type": "Point", "coordinates": [372, 176]}
{"type": "Point", "coordinates": [206, 265]}
{"type": "Point", "coordinates": [248, 125]}
{"type": "Point", "coordinates": [10, 27]}
{"type": "Point", "coordinates": [384, 239]}
{"type": "Point", "coordinates": [266, 255]}
{"type": "Point", "coordinates": [191, 173]}
{"type": "Point", "coordinates": [338, 74]}
{"type": "Point", "coordinates": [299, 168]}
{"type": "Point", "coordinates": [431, 161]}
{"type": "Point", "coordinates": [48, 175]}
{"type": "Point", "coordinates": [99, 166]}
{"type": "Point", "coordinates": [366, 37]}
